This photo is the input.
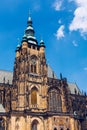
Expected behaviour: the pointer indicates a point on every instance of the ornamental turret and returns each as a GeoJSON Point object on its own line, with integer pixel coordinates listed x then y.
{"type": "Point", "coordinates": [42, 43]}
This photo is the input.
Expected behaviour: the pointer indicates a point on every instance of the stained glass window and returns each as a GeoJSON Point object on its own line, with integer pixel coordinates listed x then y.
{"type": "Point", "coordinates": [55, 103]}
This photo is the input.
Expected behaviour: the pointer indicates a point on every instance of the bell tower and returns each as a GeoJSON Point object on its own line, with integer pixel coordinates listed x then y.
{"type": "Point", "coordinates": [30, 73]}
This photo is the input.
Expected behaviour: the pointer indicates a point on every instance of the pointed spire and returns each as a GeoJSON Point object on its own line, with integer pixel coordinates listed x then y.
{"type": "Point", "coordinates": [29, 22]}
{"type": "Point", "coordinates": [29, 29]}
{"type": "Point", "coordinates": [29, 32]}
{"type": "Point", "coordinates": [61, 77]}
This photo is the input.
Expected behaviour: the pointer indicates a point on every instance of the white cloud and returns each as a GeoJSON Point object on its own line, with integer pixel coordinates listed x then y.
{"type": "Point", "coordinates": [85, 68]}
{"type": "Point", "coordinates": [79, 21]}
{"type": "Point", "coordinates": [75, 44]}
{"type": "Point", "coordinates": [60, 32]}
{"type": "Point", "coordinates": [57, 5]}
{"type": "Point", "coordinates": [59, 21]}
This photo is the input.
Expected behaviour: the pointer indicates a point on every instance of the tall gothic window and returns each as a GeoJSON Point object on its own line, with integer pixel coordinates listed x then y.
{"type": "Point", "coordinates": [33, 66]}
{"type": "Point", "coordinates": [34, 96]}
{"type": "Point", "coordinates": [55, 103]}
{"type": "Point", "coordinates": [34, 125]}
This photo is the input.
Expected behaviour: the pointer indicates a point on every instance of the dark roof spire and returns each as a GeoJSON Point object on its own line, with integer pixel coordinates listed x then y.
{"type": "Point", "coordinates": [29, 32]}
{"type": "Point", "coordinates": [29, 22]}
{"type": "Point", "coordinates": [42, 43]}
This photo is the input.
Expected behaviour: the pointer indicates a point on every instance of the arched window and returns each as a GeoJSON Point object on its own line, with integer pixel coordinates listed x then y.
{"type": "Point", "coordinates": [33, 65]}
{"type": "Point", "coordinates": [34, 96]}
{"type": "Point", "coordinates": [55, 103]}
{"type": "Point", "coordinates": [34, 125]}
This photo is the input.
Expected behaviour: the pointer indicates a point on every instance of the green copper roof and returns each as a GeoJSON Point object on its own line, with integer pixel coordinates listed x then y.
{"type": "Point", "coordinates": [29, 33]}
{"type": "Point", "coordinates": [29, 22]}
{"type": "Point", "coordinates": [24, 38]}
{"type": "Point", "coordinates": [42, 43]}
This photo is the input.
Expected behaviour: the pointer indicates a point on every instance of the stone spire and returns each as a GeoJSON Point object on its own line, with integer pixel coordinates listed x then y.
{"type": "Point", "coordinates": [29, 33]}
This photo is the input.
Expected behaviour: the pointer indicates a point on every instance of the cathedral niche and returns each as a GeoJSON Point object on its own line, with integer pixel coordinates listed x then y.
{"type": "Point", "coordinates": [34, 93]}
{"type": "Point", "coordinates": [54, 99]}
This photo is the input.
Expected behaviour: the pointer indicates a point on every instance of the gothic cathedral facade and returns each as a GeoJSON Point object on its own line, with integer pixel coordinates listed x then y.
{"type": "Point", "coordinates": [33, 98]}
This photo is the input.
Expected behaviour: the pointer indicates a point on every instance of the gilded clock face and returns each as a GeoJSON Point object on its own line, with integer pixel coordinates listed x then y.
{"type": "Point", "coordinates": [33, 61]}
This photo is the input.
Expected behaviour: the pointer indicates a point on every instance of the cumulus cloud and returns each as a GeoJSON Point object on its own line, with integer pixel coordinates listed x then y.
{"type": "Point", "coordinates": [60, 32]}
{"type": "Point", "coordinates": [79, 21]}
{"type": "Point", "coordinates": [75, 44]}
{"type": "Point", "coordinates": [57, 5]}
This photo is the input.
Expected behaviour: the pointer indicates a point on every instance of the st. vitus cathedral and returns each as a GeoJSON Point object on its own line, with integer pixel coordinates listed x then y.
{"type": "Point", "coordinates": [33, 98]}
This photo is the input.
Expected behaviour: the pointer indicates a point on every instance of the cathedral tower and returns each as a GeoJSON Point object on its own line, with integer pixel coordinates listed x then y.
{"type": "Point", "coordinates": [30, 73]}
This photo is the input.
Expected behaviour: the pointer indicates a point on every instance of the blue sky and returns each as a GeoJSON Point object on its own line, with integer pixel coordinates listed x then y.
{"type": "Point", "coordinates": [63, 26]}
